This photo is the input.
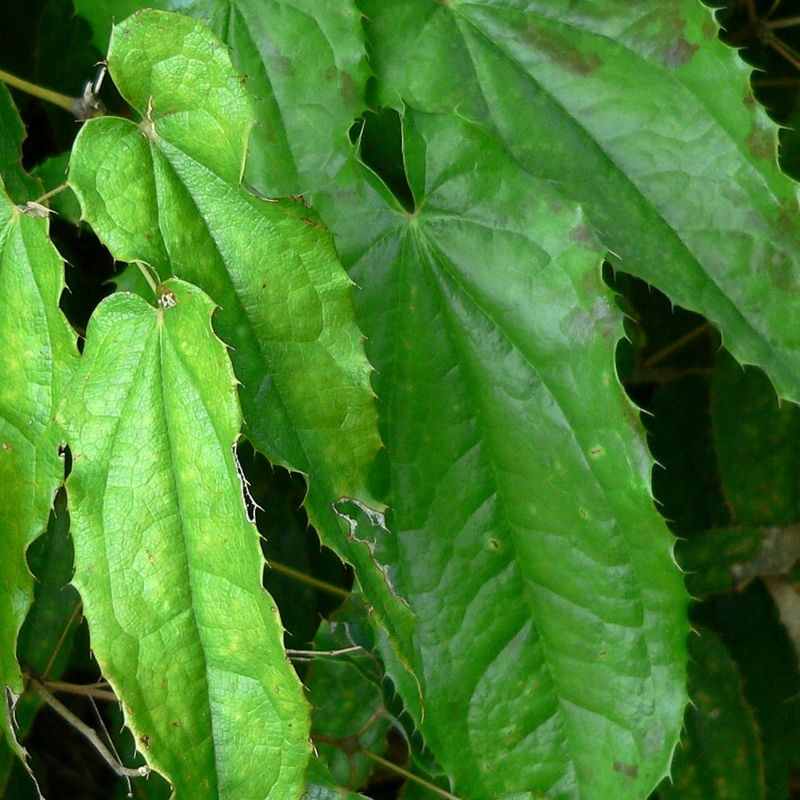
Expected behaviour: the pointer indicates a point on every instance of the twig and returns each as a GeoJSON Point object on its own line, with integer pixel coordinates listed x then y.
{"type": "Point", "coordinates": [96, 690]}
{"type": "Point", "coordinates": [301, 576]}
{"type": "Point", "coordinates": [89, 733]}
{"type": "Point", "coordinates": [74, 614]}
{"type": "Point", "coordinates": [406, 774]}
{"type": "Point", "coordinates": [307, 655]}
{"type": "Point", "coordinates": [677, 344]}
{"type": "Point", "coordinates": [56, 98]}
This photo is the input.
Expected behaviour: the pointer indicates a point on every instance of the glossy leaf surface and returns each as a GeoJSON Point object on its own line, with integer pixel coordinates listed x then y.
{"type": "Point", "coordinates": [518, 478]}
{"type": "Point", "coordinates": [519, 492]}
{"type": "Point", "coordinates": [167, 565]}
{"type": "Point", "coordinates": [642, 115]}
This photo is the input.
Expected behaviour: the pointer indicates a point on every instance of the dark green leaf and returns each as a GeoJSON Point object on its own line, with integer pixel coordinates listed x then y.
{"type": "Point", "coordinates": [19, 185]}
{"type": "Point", "coordinates": [720, 752]}
{"type": "Point", "coordinates": [548, 613]}
{"type": "Point", "coordinates": [748, 624]}
{"type": "Point", "coordinates": [642, 115]}
{"type": "Point", "coordinates": [320, 784]}
{"type": "Point", "coordinates": [756, 444]}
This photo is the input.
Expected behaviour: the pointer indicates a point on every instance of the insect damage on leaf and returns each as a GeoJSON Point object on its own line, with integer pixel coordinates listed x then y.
{"type": "Point", "coordinates": [167, 300]}
{"type": "Point", "coordinates": [374, 523]}
{"type": "Point", "coordinates": [250, 505]}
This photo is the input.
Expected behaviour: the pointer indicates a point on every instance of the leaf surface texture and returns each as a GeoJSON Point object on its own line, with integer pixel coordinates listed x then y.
{"type": "Point", "coordinates": [167, 564]}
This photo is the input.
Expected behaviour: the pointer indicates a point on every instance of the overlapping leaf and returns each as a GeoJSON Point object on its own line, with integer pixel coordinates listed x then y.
{"type": "Point", "coordinates": [305, 65]}
{"type": "Point", "coordinates": [550, 628]}
{"type": "Point", "coordinates": [748, 626]}
{"type": "Point", "coordinates": [720, 755]}
{"type": "Point", "coordinates": [167, 193]}
{"type": "Point", "coordinates": [756, 445]}
{"type": "Point", "coordinates": [167, 565]}
{"type": "Point", "coordinates": [639, 113]}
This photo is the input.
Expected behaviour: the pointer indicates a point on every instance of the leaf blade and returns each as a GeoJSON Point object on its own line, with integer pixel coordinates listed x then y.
{"type": "Point", "coordinates": [185, 634]}
{"type": "Point", "coordinates": [272, 266]}
{"type": "Point", "coordinates": [38, 356]}
{"type": "Point", "coordinates": [306, 68]}
{"type": "Point", "coordinates": [622, 106]}
{"type": "Point", "coordinates": [516, 460]}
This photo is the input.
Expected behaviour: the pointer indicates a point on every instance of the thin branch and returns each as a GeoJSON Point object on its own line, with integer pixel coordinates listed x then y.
{"type": "Point", "coordinates": [56, 98]}
{"type": "Point", "coordinates": [406, 774]}
{"type": "Point", "coordinates": [97, 690]}
{"type": "Point", "coordinates": [74, 614]}
{"type": "Point", "coordinates": [89, 733]}
{"type": "Point", "coordinates": [676, 345]}
{"type": "Point", "coordinates": [108, 741]}
{"type": "Point", "coordinates": [783, 49]}
{"type": "Point", "coordinates": [147, 276]}
{"type": "Point", "coordinates": [53, 192]}
{"type": "Point", "coordinates": [786, 22]}
{"type": "Point", "coordinates": [307, 655]}
{"type": "Point", "coordinates": [315, 582]}
{"type": "Point", "coordinates": [773, 9]}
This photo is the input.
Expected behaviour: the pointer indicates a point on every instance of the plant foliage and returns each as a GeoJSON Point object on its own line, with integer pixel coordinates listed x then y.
{"type": "Point", "coordinates": [376, 259]}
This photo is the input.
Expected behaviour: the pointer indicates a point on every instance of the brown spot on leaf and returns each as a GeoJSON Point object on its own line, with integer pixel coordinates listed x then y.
{"type": "Point", "coordinates": [678, 53]}
{"type": "Point", "coordinates": [761, 144]}
{"type": "Point", "coordinates": [562, 51]}
{"type": "Point", "coordinates": [581, 233]}
{"type": "Point", "coordinates": [626, 769]}
{"type": "Point", "coordinates": [664, 32]}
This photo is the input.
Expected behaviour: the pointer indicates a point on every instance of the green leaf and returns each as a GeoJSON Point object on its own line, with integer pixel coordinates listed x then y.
{"type": "Point", "coordinates": [166, 563]}
{"type": "Point", "coordinates": [101, 15]}
{"type": "Point", "coordinates": [166, 194]}
{"type": "Point", "coordinates": [18, 184]}
{"type": "Point", "coordinates": [710, 559]}
{"type": "Point", "coordinates": [642, 115]}
{"type": "Point", "coordinates": [286, 301]}
{"type": "Point", "coordinates": [720, 756]}
{"type": "Point", "coordinates": [46, 637]}
{"type": "Point", "coordinates": [15, 783]}
{"type": "Point", "coordinates": [549, 636]}
{"type": "Point", "coordinates": [748, 624]}
{"type": "Point", "coordinates": [320, 784]}
{"type": "Point", "coordinates": [756, 445]}
{"type": "Point", "coordinates": [306, 67]}
{"type": "Point", "coordinates": [44, 640]}
{"type": "Point", "coordinates": [37, 356]}
{"type": "Point", "coordinates": [347, 702]}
